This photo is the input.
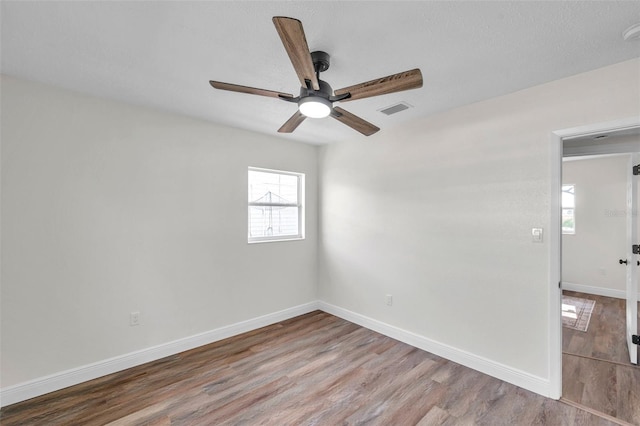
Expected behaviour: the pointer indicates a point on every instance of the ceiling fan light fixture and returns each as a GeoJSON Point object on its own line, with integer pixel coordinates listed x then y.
{"type": "Point", "coordinates": [315, 106]}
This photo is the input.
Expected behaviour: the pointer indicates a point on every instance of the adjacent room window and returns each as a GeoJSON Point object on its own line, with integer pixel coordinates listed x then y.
{"type": "Point", "coordinates": [568, 209]}
{"type": "Point", "coordinates": [276, 201]}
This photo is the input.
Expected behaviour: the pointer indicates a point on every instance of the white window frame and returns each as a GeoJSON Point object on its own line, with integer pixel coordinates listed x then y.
{"type": "Point", "coordinates": [299, 205]}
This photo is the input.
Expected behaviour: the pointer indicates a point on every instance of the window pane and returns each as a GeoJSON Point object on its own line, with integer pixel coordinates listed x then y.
{"type": "Point", "coordinates": [568, 221]}
{"type": "Point", "coordinates": [273, 221]}
{"type": "Point", "coordinates": [275, 209]}
{"type": "Point", "coordinates": [568, 196]}
{"type": "Point", "coordinates": [568, 209]}
{"type": "Point", "coordinates": [272, 188]}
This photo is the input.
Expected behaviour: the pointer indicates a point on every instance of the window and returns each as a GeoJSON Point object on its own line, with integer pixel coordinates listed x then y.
{"type": "Point", "coordinates": [568, 209]}
{"type": "Point", "coordinates": [276, 201]}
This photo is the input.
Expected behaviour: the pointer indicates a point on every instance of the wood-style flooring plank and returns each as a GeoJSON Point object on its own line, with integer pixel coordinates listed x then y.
{"type": "Point", "coordinates": [435, 416]}
{"type": "Point", "coordinates": [596, 371]}
{"type": "Point", "coordinates": [607, 387]}
{"type": "Point", "coordinates": [315, 369]}
{"type": "Point", "coordinates": [605, 337]}
{"type": "Point", "coordinates": [628, 389]}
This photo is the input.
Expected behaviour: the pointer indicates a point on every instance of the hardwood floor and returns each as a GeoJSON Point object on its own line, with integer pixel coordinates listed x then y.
{"type": "Point", "coordinates": [605, 337]}
{"type": "Point", "coordinates": [596, 371]}
{"type": "Point", "coordinates": [315, 369]}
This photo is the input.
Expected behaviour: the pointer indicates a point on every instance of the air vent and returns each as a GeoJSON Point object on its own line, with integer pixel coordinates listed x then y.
{"type": "Point", "coordinates": [395, 108]}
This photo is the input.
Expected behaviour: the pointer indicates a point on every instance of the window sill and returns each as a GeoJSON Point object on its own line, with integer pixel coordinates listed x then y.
{"type": "Point", "coordinates": [278, 240]}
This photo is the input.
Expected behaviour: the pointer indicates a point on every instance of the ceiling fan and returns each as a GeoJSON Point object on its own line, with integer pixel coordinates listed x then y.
{"type": "Point", "coordinates": [316, 96]}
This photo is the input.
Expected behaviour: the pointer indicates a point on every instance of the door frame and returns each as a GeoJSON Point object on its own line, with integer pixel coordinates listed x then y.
{"type": "Point", "coordinates": [555, 237]}
{"type": "Point", "coordinates": [632, 271]}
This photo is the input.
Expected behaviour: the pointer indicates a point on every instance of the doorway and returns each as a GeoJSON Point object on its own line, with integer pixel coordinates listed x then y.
{"type": "Point", "coordinates": [595, 355]}
{"type": "Point", "coordinates": [608, 142]}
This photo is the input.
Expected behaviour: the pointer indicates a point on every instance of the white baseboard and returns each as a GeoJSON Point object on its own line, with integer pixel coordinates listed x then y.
{"type": "Point", "coordinates": [598, 291]}
{"type": "Point", "coordinates": [57, 381]}
{"type": "Point", "coordinates": [508, 374]}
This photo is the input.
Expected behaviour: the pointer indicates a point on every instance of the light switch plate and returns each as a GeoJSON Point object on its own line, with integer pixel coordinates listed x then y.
{"type": "Point", "coordinates": [536, 235]}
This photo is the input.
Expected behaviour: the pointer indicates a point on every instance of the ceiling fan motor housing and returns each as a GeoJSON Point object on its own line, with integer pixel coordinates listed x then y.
{"type": "Point", "coordinates": [321, 61]}
{"type": "Point", "coordinates": [325, 90]}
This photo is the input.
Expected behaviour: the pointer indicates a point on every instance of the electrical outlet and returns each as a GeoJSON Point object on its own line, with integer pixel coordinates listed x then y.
{"type": "Point", "coordinates": [134, 318]}
{"type": "Point", "coordinates": [389, 299]}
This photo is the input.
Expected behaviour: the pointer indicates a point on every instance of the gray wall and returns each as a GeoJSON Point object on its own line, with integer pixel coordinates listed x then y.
{"type": "Point", "coordinates": [439, 214]}
{"type": "Point", "coordinates": [590, 256]}
{"type": "Point", "coordinates": [109, 208]}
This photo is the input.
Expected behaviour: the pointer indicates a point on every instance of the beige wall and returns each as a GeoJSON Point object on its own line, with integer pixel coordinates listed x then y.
{"type": "Point", "coordinates": [590, 256]}
{"type": "Point", "coordinates": [109, 208]}
{"type": "Point", "coordinates": [439, 214]}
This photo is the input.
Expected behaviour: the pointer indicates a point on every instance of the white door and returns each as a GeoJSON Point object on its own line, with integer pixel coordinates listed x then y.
{"type": "Point", "coordinates": [633, 259]}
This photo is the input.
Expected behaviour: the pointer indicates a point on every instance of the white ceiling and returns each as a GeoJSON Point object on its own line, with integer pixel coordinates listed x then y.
{"type": "Point", "coordinates": [162, 54]}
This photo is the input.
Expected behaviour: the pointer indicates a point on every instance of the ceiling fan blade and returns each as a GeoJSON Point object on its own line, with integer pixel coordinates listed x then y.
{"type": "Point", "coordinates": [249, 90]}
{"type": "Point", "coordinates": [390, 84]}
{"type": "Point", "coordinates": [295, 43]}
{"type": "Point", "coordinates": [353, 121]}
{"type": "Point", "coordinates": [292, 123]}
